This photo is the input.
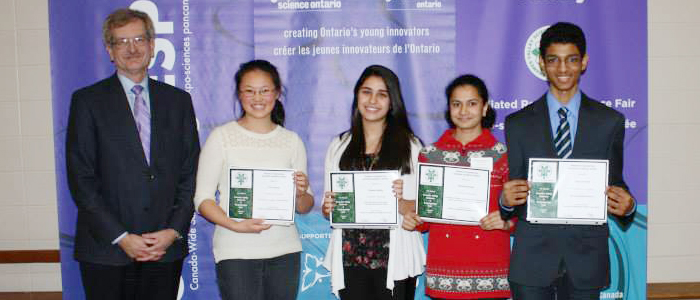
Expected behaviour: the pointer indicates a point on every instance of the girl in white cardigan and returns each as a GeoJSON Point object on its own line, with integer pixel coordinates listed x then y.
{"type": "Point", "coordinates": [254, 260]}
{"type": "Point", "coordinates": [375, 263]}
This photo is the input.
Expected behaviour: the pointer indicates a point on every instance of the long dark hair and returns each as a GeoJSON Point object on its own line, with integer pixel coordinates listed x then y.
{"type": "Point", "coordinates": [469, 79]}
{"type": "Point", "coordinates": [265, 66]}
{"type": "Point", "coordinates": [395, 151]}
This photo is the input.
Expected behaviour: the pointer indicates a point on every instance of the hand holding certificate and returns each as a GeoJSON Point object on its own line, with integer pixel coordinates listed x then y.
{"type": "Point", "coordinates": [452, 194]}
{"type": "Point", "coordinates": [364, 199]}
{"type": "Point", "coordinates": [567, 191]}
{"type": "Point", "coordinates": [268, 194]}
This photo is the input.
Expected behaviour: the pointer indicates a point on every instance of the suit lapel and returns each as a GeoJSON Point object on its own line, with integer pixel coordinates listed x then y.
{"type": "Point", "coordinates": [123, 118]}
{"type": "Point", "coordinates": [541, 112]}
{"type": "Point", "coordinates": [585, 128]}
{"type": "Point", "coordinates": [156, 97]}
{"type": "Point", "coordinates": [117, 106]}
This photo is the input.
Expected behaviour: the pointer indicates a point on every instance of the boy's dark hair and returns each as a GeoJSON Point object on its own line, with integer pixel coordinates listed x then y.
{"type": "Point", "coordinates": [563, 33]}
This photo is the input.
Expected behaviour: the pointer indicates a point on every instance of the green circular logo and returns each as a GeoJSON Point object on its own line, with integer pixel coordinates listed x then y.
{"type": "Point", "coordinates": [532, 53]}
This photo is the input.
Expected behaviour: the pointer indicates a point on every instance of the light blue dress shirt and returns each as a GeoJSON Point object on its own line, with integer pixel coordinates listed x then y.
{"type": "Point", "coordinates": [127, 84]}
{"type": "Point", "coordinates": [572, 116]}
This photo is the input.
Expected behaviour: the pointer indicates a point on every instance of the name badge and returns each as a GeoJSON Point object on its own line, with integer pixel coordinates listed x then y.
{"type": "Point", "coordinates": [484, 163]}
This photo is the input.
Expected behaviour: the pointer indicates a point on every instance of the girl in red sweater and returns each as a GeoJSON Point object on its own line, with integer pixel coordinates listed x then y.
{"type": "Point", "coordinates": [468, 262]}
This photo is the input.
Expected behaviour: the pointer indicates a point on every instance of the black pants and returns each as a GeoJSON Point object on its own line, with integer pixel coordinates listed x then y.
{"type": "Point", "coordinates": [366, 284]}
{"type": "Point", "coordinates": [479, 298]}
{"type": "Point", "coordinates": [274, 278]}
{"type": "Point", "coordinates": [138, 280]}
{"type": "Point", "coordinates": [560, 289]}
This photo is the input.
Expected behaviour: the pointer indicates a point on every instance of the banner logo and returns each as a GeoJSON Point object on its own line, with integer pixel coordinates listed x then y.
{"type": "Point", "coordinates": [307, 4]}
{"type": "Point", "coordinates": [162, 45]}
{"type": "Point", "coordinates": [313, 272]}
{"type": "Point", "coordinates": [532, 53]}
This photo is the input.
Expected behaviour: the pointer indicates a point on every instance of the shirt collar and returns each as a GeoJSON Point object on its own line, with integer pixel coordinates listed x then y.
{"type": "Point", "coordinates": [128, 84]}
{"type": "Point", "coordinates": [485, 139]}
{"type": "Point", "coordinates": [573, 106]}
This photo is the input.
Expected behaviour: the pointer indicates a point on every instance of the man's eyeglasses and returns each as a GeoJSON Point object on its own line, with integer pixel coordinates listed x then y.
{"type": "Point", "coordinates": [121, 43]}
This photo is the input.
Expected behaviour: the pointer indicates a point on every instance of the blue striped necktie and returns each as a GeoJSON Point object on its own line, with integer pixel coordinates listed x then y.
{"type": "Point", "coordinates": [562, 141]}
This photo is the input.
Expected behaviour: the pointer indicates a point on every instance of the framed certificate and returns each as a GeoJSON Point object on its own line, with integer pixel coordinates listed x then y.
{"type": "Point", "coordinates": [567, 191]}
{"type": "Point", "coordinates": [452, 194]}
{"type": "Point", "coordinates": [268, 194]}
{"type": "Point", "coordinates": [364, 199]}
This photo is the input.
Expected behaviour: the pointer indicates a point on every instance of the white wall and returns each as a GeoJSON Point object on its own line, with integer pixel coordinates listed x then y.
{"type": "Point", "coordinates": [27, 180]}
{"type": "Point", "coordinates": [674, 126]}
{"type": "Point", "coordinates": [28, 214]}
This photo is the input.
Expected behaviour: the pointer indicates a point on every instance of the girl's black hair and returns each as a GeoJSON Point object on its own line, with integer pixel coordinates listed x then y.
{"type": "Point", "coordinates": [265, 66]}
{"type": "Point", "coordinates": [395, 147]}
{"type": "Point", "coordinates": [469, 79]}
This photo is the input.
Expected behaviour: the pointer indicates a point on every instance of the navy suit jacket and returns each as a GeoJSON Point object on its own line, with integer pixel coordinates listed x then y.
{"type": "Point", "coordinates": [114, 188]}
{"type": "Point", "coordinates": [539, 249]}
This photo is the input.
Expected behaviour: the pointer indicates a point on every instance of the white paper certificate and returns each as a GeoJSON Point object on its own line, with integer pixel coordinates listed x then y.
{"type": "Point", "coordinates": [567, 191]}
{"type": "Point", "coordinates": [364, 199]}
{"type": "Point", "coordinates": [452, 194]}
{"type": "Point", "coordinates": [267, 194]}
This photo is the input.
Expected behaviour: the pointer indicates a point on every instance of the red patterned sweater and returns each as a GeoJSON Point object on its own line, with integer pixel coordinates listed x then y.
{"type": "Point", "coordinates": [466, 262]}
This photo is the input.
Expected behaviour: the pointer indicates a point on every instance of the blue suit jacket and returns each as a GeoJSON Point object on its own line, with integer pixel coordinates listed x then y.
{"type": "Point", "coordinates": [113, 187]}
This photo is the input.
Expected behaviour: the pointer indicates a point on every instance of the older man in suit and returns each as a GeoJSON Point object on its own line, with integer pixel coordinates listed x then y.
{"type": "Point", "coordinates": [564, 123]}
{"type": "Point", "coordinates": [131, 156]}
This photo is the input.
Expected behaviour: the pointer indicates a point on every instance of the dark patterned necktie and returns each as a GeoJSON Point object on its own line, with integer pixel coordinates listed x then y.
{"type": "Point", "coordinates": [562, 141]}
{"type": "Point", "coordinates": [143, 121]}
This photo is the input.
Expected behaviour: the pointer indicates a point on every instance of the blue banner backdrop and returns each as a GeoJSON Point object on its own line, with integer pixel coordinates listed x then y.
{"type": "Point", "coordinates": [320, 48]}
